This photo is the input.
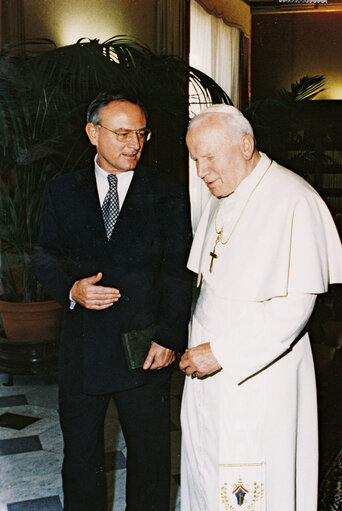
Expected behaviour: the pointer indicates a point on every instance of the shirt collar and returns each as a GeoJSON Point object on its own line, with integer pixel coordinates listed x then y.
{"type": "Point", "coordinates": [102, 175]}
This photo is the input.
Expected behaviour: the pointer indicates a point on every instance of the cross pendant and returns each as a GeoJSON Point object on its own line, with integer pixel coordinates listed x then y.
{"type": "Point", "coordinates": [213, 253]}
{"type": "Point", "coordinates": [213, 256]}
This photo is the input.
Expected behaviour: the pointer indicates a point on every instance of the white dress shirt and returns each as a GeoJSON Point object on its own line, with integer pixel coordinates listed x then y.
{"type": "Point", "coordinates": [124, 181]}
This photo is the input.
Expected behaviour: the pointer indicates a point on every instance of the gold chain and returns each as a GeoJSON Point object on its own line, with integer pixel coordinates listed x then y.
{"type": "Point", "coordinates": [219, 233]}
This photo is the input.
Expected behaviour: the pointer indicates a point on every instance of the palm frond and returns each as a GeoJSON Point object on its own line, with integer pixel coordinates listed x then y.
{"type": "Point", "coordinates": [43, 102]}
{"type": "Point", "coordinates": [305, 89]}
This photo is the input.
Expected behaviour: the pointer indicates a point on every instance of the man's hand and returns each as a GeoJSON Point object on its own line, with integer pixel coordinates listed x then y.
{"type": "Point", "coordinates": [158, 357]}
{"type": "Point", "coordinates": [86, 293]}
{"type": "Point", "coordinates": [199, 361]}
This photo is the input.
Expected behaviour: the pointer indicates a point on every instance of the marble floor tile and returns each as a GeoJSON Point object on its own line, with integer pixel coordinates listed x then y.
{"type": "Point", "coordinates": [30, 379]}
{"type": "Point", "coordinates": [20, 386]}
{"type": "Point", "coordinates": [45, 396]}
{"type": "Point", "coordinates": [175, 495]}
{"type": "Point", "coordinates": [44, 504]}
{"type": "Point", "coordinates": [114, 461]}
{"type": "Point", "coordinates": [177, 506]}
{"type": "Point", "coordinates": [30, 476]}
{"type": "Point", "coordinates": [52, 439]}
{"type": "Point", "coordinates": [16, 421]}
{"type": "Point", "coordinates": [20, 445]}
{"type": "Point", "coordinates": [116, 484]}
{"type": "Point", "coordinates": [14, 400]}
{"type": "Point", "coordinates": [47, 419]}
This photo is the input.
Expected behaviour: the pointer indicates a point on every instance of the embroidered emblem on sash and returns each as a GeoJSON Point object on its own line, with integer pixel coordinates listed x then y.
{"type": "Point", "coordinates": [247, 492]}
{"type": "Point", "coordinates": [239, 492]}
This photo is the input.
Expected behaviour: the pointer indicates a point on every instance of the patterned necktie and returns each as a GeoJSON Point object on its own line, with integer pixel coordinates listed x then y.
{"type": "Point", "coordinates": [110, 207]}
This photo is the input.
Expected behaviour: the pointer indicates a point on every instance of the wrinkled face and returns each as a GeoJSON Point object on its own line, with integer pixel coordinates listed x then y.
{"type": "Point", "coordinates": [219, 157]}
{"type": "Point", "coordinates": [115, 156]}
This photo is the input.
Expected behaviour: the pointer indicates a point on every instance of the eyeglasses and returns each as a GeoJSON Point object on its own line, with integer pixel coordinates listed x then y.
{"type": "Point", "coordinates": [143, 135]}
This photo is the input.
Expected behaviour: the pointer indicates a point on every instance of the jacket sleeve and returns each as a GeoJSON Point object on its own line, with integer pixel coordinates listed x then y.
{"type": "Point", "coordinates": [176, 279]}
{"type": "Point", "coordinates": [52, 267]}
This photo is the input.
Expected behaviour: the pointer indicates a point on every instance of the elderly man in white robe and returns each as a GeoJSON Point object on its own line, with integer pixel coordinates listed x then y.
{"type": "Point", "coordinates": [266, 245]}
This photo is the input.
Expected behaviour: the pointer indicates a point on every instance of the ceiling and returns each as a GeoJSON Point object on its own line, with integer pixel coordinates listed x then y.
{"type": "Point", "coordinates": [275, 6]}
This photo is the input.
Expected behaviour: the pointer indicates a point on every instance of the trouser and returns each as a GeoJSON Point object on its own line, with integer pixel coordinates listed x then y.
{"type": "Point", "coordinates": [144, 414]}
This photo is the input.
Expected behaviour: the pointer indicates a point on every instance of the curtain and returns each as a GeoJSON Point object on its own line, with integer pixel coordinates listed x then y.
{"type": "Point", "coordinates": [12, 22]}
{"type": "Point", "coordinates": [214, 49]}
{"type": "Point", "coordinates": [172, 28]}
{"type": "Point", "coordinates": [235, 13]}
{"type": "Point", "coordinates": [244, 89]}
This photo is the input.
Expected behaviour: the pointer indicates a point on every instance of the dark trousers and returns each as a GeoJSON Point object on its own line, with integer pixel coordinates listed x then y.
{"type": "Point", "coordinates": [144, 414]}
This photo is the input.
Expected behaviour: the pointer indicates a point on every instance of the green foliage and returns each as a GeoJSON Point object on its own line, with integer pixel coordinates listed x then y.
{"type": "Point", "coordinates": [43, 101]}
{"type": "Point", "coordinates": [306, 88]}
{"type": "Point", "coordinates": [279, 122]}
{"type": "Point", "coordinates": [20, 205]}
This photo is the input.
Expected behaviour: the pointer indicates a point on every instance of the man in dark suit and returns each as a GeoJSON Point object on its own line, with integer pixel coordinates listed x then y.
{"type": "Point", "coordinates": [112, 250]}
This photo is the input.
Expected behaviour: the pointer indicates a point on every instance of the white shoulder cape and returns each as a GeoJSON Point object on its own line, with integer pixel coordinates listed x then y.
{"type": "Point", "coordinates": [285, 242]}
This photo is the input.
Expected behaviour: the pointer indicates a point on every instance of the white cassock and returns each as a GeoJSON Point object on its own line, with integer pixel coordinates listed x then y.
{"type": "Point", "coordinates": [252, 446]}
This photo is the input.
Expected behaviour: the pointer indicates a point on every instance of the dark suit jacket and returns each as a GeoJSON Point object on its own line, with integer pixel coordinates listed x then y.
{"type": "Point", "coordinates": [145, 259]}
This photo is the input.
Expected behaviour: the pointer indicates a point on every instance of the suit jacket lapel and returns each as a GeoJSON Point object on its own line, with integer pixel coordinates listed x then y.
{"type": "Point", "coordinates": [88, 203]}
{"type": "Point", "coordinates": [133, 212]}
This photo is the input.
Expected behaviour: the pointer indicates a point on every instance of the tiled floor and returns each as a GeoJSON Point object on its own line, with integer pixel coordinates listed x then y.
{"type": "Point", "coordinates": [31, 447]}
{"type": "Point", "coordinates": [31, 443]}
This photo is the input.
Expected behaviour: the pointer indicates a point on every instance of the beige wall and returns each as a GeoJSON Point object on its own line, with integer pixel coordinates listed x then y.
{"type": "Point", "coordinates": [286, 47]}
{"type": "Point", "coordinates": [66, 21]}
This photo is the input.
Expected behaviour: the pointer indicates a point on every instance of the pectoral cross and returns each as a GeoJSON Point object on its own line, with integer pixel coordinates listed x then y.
{"type": "Point", "coordinates": [213, 256]}
{"type": "Point", "coordinates": [213, 253]}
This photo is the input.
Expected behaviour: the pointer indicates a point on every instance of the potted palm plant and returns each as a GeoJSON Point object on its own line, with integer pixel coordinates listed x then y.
{"type": "Point", "coordinates": [278, 121]}
{"type": "Point", "coordinates": [43, 101]}
{"type": "Point", "coordinates": [27, 313]}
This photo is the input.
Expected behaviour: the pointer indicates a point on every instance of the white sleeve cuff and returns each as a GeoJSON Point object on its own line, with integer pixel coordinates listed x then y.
{"type": "Point", "coordinates": [217, 348]}
{"type": "Point", "coordinates": [72, 302]}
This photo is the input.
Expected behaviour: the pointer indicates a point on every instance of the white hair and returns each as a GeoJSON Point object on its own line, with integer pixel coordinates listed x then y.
{"type": "Point", "coordinates": [235, 120]}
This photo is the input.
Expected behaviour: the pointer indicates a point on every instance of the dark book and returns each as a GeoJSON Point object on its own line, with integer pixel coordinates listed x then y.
{"type": "Point", "coordinates": [137, 344]}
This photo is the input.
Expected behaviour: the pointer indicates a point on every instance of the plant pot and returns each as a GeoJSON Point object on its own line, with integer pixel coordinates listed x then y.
{"type": "Point", "coordinates": [33, 321]}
